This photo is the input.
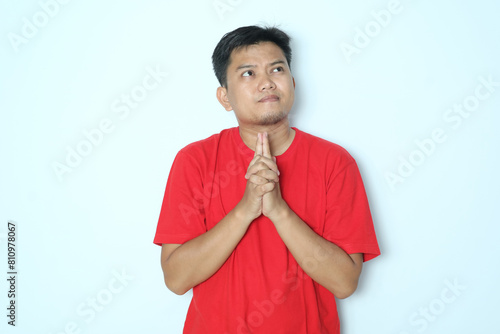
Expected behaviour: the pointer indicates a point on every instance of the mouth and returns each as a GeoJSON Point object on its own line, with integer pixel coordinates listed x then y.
{"type": "Point", "coordinates": [269, 98]}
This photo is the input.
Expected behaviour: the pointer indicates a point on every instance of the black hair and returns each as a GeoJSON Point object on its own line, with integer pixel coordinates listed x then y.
{"type": "Point", "coordinates": [246, 36]}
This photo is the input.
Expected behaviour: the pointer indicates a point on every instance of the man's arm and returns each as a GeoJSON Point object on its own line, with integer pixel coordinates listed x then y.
{"type": "Point", "coordinates": [187, 265]}
{"type": "Point", "coordinates": [322, 260]}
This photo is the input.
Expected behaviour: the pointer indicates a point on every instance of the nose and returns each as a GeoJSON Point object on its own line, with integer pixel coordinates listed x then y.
{"type": "Point", "coordinates": [266, 83]}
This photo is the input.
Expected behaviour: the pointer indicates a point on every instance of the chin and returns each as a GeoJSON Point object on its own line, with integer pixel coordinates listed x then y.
{"type": "Point", "coordinates": [272, 118]}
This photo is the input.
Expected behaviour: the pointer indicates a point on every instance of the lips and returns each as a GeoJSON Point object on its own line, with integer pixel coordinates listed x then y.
{"type": "Point", "coordinates": [269, 98]}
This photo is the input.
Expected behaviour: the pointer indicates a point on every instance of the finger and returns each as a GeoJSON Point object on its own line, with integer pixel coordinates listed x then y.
{"type": "Point", "coordinates": [252, 162]}
{"type": "Point", "coordinates": [260, 164]}
{"type": "Point", "coordinates": [257, 154]}
{"type": "Point", "coordinates": [266, 188]}
{"type": "Point", "coordinates": [258, 146]}
{"type": "Point", "coordinates": [268, 174]}
{"type": "Point", "coordinates": [250, 171]}
{"type": "Point", "coordinates": [266, 150]}
{"type": "Point", "coordinates": [258, 180]}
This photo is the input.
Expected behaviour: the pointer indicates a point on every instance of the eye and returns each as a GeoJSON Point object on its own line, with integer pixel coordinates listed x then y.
{"type": "Point", "coordinates": [247, 73]}
{"type": "Point", "coordinates": [278, 69]}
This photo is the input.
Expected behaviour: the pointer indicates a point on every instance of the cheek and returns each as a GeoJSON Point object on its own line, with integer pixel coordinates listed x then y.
{"type": "Point", "coordinates": [240, 101]}
{"type": "Point", "coordinates": [291, 92]}
{"type": "Point", "coordinates": [232, 96]}
{"type": "Point", "coordinates": [243, 96]}
{"type": "Point", "coordinates": [287, 83]}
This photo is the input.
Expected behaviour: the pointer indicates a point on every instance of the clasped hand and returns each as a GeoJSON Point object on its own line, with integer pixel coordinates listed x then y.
{"type": "Point", "coordinates": [262, 192]}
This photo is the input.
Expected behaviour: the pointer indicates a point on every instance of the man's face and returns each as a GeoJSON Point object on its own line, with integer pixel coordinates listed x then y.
{"type": "Point", "coordinates": [260, 87]}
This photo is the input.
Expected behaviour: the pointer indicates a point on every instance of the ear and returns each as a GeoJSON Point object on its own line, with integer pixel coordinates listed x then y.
{"type": "Point", "coordinates": [223, 99]}
{"type": "Point", "coordinates": [293, 79]}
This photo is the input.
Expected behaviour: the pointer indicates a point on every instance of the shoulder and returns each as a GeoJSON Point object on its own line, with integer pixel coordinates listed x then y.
{"type": "Point", "coordinates": [324, 149]}
{"type": "Point", "coordinates": [204, 147]}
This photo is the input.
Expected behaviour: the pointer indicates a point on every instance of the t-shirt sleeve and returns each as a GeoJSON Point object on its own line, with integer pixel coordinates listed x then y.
{"type": "Point", "coordinates": [182, 215]}
{"type": "Point", "coordinates": [349, 223]}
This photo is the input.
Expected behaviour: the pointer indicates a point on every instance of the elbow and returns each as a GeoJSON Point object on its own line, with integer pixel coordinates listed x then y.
{"type": "Point", "coordinates": [349, 282]}
{"type": "Point", "coordinates": [172, 280]}
{"type": "Point", "coordinates": [176, 288]}
{"type": "Point", "coordinates": [344, 293]}
{"type": "Point", "coordinates": [175, 282]}
{"type": "Point", "coordinates": [346, 290]}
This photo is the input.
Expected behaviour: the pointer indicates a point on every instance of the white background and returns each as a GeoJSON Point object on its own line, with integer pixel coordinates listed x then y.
{"type": "Point", "coordinates": [437, 225]}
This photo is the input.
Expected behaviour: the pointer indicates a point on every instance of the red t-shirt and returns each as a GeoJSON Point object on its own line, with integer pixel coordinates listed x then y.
{"type": "Point", "coordinates": [261, 288]}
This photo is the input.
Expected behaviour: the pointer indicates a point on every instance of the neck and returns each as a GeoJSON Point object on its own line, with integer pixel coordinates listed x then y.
{"type": "Point", "coordinates": [280, 136]}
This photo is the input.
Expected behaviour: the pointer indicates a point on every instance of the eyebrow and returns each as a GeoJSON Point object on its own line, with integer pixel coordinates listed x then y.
{"type": "Point", "coordinates": [244, 66]}
{"type": "Point", "coordinates": [277, 62]}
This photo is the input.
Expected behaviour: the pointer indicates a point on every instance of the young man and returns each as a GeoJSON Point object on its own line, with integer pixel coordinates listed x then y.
{"type": "Point", "coordinates": [267, 224]}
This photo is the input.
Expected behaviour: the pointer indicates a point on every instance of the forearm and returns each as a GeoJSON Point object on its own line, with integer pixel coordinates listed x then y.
{"type": "Point", "coordinates": [198, 259]}
{"type": "Point", "coordinates": [322, 260]}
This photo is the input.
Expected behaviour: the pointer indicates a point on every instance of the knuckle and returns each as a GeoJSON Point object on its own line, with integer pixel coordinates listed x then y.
{"type": "Point", "coordinates": [256, 179]}
{"type": "Point", "coordinates": [261, 173]}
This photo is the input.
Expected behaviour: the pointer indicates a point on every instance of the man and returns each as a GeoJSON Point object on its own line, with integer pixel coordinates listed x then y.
{"type": "Point", "coordinates": [267, 224]}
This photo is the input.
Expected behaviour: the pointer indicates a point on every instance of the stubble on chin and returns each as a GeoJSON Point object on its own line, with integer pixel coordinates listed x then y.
{"type": "Point", "coordinates": [271, 118]}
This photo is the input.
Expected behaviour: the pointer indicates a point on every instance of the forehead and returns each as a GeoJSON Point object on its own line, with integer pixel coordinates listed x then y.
{"type": "Point", "coordinates": [256, 53]}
